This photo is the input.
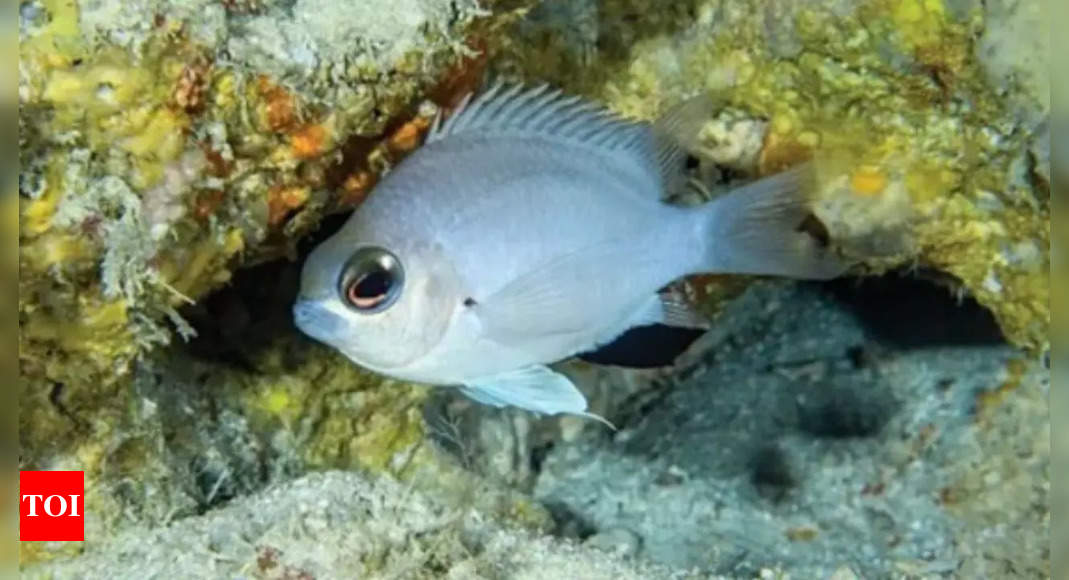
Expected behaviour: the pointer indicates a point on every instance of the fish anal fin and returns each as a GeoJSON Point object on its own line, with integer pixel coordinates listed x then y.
{"type": "Point", "coordinates": [670, 309]}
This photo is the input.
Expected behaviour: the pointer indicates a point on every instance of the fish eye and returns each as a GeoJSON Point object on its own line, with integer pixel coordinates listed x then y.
{"type": "Point", "coordinates": [371, 280]}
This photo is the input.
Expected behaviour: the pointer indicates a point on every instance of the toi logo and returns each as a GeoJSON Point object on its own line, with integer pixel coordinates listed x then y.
{"type": "Point", "coordinates": [50, 506]}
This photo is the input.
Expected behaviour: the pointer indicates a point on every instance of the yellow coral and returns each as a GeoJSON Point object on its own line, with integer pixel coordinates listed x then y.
{"type": "Point", "coordinates": [919, 22]}
{"type": "Point", "coordinates": [868, 180]}
{"type": "Point", "coordinates": [162, 135]}
{"type": "Point", "coordinates": [37, 214]}
{"type": "Point", "coordinates": [56, 249]}
{"type": "Point", "coordinates": [928, 181]}
{"type": "Point", "coordinates": [117, 100]}
{"type": "Point", "coordinates": [105, 87]}
{"type": "Point", "coordinates": [185, 271]}
{"type": "Point", "coordinates": [358, 421]}
{"type": "Point", "coordinates": [101, 332]}
{"type": "Point", "coordinates": [60, 42]}
{"type": "Point", "coordinates": [276, 401]}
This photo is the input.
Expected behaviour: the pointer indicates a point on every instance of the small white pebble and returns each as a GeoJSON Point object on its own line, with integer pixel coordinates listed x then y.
{"type": "Point", "coordinates": [843, 573]}
{"type": "Point", "coordinates": [571, 427]}
{"type": "Point", "coordinates": [991, 284]}
{"type": "Point", "coordinates": [106, 93]}
{"type": "Point", "coordinates": [619, 541]}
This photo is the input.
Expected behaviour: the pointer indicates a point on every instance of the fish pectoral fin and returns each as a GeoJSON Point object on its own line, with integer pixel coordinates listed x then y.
{"type": "Point", "coordinates": [535, 388]}
{"type": "Point", "coordinates": [559, 296]}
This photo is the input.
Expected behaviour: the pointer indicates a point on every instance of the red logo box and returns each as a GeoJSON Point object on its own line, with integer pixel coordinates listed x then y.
{"type": "Point", "coordinates": [51, 506]}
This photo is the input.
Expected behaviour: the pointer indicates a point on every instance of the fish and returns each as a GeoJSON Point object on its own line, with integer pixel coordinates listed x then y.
{"type": "Point", "coordinates": [532, 226]}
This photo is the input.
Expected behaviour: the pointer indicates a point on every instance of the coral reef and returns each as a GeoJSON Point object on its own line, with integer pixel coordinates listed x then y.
{"type": "Point", "coordinates": [166, 142]}
{"type": "Point", "coordinates": [247, 403]}
{"type": "Point", "coordinates": [926, 119]}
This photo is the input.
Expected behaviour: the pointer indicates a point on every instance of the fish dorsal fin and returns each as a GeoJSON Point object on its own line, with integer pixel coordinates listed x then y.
{"type": "Point", "coordinates": [513, 108]}
{"type": "Point", "coordinates": [676, 133]}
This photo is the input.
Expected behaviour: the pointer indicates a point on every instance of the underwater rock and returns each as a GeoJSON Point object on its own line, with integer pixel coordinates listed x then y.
{"type": "Point", "coordinates": [344, 525]}
{"type": "Point", "coordinates": [804, 438]}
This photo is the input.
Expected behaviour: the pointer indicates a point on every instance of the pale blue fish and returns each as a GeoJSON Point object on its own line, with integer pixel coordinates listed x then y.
{"type": "Point", "coordinates": [528, 228]}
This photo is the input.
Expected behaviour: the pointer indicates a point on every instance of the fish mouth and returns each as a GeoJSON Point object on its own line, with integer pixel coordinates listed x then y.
{"type": "Point", "coordinates": [315, 320]}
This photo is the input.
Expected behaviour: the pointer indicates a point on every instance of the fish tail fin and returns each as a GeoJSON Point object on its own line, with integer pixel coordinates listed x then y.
{"type": "Point", "coordinates": [756, 229]}
{"type": "Point", "coordinates": [760, 229]}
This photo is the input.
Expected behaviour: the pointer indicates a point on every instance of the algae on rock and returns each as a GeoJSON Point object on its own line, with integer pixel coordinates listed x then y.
{"type": "Point", "coordinates": [165, 143]}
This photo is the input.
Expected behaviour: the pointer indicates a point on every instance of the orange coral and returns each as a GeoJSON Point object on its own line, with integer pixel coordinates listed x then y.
{"type": "Point", "coordinates": [709, 292]}
{"type": "Point", "coordinates": [218, 166]}
{"type": "Point", "coordinates": [779, 153]}
{"type": "Point", "coordinates": [463, 78]}
{"type": "Point", "coordinates": [408, 136]}
{"type": "Point", "coordinates": [280, 108]}
{"type": "Point", "coordinates": [356, 187]}
{"type": "Point", "coordinates": [282, 199]}
{"type": "Point", "coordinates": [309, 141]}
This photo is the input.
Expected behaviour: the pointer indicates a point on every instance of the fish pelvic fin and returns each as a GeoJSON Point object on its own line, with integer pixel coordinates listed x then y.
{"type": "Point", "coordinates": [534, 388]}
{"type": "Point", "coordinates": [759, 229]}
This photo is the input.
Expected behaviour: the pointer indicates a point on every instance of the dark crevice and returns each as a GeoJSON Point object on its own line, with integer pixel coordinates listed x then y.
{"type": "Point", "coordinates": [845, 412]}
{"type": "Point", "coordinates": [916, 310]}
{"type": "Point", "coordinates": [239, 320]}
{"type": "Point", "coordinates": [568, 524]}
{"type": "Point", "coordinates": [771, 473]}
{"type": "Point", "coordinates": [651, 346]}
{"type": "Point", "coordinates": [539, 454]}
